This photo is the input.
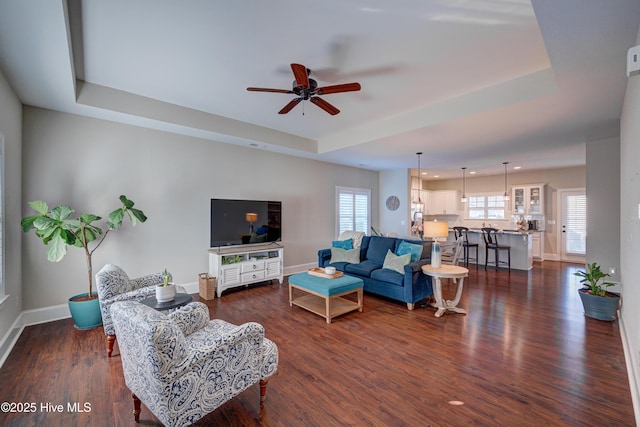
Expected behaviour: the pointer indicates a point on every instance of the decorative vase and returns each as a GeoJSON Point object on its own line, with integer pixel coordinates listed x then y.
{"type": "Point", "coordinates": [436, 255]}
{"type": "Point", "coordinates": [85, 313]}
{"type": "Point", "coordinates": [166, 293]}
{"type": "Point", "coordinates": [601, 308]}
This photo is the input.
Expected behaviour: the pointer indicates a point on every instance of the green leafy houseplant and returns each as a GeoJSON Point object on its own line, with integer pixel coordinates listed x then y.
{"type": "Point", "coordinates": [593, 280]}
{"type": "Point", "coordinates": [58, 229]}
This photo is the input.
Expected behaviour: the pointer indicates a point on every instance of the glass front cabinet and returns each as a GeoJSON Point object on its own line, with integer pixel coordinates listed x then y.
{"type": "Point", "coordinates": [528, 199]}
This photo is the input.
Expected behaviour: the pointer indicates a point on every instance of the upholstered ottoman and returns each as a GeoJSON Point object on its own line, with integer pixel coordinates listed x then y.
{"type": "Point", "coordinates": [323, 296]}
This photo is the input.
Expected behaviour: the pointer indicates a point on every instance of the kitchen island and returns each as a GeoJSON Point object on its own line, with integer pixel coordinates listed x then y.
{"type": "Point", "coordinates": [521, 247]}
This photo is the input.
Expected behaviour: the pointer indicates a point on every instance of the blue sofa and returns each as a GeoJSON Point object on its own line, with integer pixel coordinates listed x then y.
{"type": "Point", "coordinates": [410, 287]}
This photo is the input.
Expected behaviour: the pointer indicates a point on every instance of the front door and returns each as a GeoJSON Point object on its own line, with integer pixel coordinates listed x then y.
{"type": "Point", "coordinates": [573, 225]}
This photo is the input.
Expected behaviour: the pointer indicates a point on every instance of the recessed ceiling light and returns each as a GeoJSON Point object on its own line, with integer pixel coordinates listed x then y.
{"type": "Point", "coordinates": [425, 173]}
{"type": "Point", "coordinates": [517, 167]}
{"type": "Point", "coordinates": [472, 173]}
{"type": "Point", "coordinates": [436, 176]}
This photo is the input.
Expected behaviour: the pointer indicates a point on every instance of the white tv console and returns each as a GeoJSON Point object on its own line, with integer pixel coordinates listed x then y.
{"type": "Point", "coordinates": [242, 265]}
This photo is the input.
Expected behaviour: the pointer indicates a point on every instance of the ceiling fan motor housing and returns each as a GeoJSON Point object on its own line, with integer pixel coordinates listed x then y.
{"type": "Point", "coordinates": [304, 92]}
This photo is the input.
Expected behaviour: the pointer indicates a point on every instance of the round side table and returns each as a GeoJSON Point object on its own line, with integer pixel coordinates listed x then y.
{"type": "Point", "coordinates": [178, 301]}
{"type": "Point", "coordinates": [446, 271]}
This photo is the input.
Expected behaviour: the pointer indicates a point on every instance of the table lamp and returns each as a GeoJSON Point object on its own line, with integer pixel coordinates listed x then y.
{"type": "Point", "coordinates": [251, 218]}
{"type": "Point", "coordinates": [436, 230]}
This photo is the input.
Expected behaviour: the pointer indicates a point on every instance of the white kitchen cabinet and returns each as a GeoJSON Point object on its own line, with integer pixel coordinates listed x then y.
{"type": "Point", "coordinates": [443, 202]}
{"type": "Point", "coordinates": [537, 246]}
{"type": "Point", "coordinates": [528, 199]}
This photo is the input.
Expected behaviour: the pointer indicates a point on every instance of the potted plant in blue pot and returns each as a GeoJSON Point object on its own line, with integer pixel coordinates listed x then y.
{"type": "Point", "coordinates": [598, 303]}
{"type": "Point", "coordinates": [58, 229]}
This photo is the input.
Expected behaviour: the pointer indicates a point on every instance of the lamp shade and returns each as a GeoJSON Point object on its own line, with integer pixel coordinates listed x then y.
{"type": "Point", "coordinates": [436, 229]}
{"type": "Point", "coordinates": [251, 217]}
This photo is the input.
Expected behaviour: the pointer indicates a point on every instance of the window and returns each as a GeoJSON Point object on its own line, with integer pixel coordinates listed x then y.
{"type": "Point", "coordinates": [486, 206]}
{"type": "Point", "coordinates": [353, 209]}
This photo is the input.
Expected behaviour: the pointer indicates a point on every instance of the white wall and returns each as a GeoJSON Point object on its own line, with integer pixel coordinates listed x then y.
{"type": "Point", "coordinates": [603, 204]}
{"type": "Point", "coordinates": [11, 129]}
{"type": "Point", "coordinates": [395, 183]}
{"type": "Point", "coordinates": [88, 163]}
{"type": "Point", "coordinates": [630, 227]}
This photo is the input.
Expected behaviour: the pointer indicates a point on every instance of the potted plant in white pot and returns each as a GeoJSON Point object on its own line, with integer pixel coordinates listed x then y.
{"type": "Point", "coordinates": [165, 291]}
{"type": "Point", "coordinates": [598, 303]}
{"type": "Point", "coordinates": [58, 229]}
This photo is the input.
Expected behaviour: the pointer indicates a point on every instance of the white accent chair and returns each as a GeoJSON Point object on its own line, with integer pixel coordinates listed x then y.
{"type": "Point", "coordinates": [113, 284]}
{"type": "Point", "coordinates": [182, 365]}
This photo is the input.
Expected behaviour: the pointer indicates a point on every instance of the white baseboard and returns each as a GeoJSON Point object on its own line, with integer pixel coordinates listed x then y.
{"type": "Point", "coordinates": [632, 371]}
{"type": "Point", "coordinates": [299, 268]}
{"type": "Point", "coordinates": [10, 339]}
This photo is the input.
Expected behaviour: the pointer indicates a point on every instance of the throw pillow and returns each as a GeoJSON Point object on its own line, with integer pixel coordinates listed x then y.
{"type": "Point", "coordinates": [342, 244]}
{"type": "Point", "coordinates": [413, 249]}
{"type": "Point", "coordinates": [351, 256]}
{"type": "Point", "coordinates": [355, 235]}
{"type": "Point", "coordinates": [396, 262]}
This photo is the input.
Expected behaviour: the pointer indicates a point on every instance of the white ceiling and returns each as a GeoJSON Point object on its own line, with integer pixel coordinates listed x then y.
{"type": "Point", "coordinates": [468, 82]}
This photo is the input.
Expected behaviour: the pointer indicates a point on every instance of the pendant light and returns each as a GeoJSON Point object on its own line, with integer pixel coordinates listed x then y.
{"type": "Point", "coordinates": [506, 196]}
{"type": "Point", "coordinates": [419, 205]}
{"type": "Point", "coordinates": [463, 199]}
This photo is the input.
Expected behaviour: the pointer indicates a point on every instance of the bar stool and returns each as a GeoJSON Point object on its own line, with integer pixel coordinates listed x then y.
{"type": "Point", "coordinates": [490, 237]}
{"type": "Point", "coordinates": [462, 232]}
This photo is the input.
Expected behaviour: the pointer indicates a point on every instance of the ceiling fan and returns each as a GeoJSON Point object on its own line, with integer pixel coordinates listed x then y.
{"type": "Point", "coordinates": [307, 89]}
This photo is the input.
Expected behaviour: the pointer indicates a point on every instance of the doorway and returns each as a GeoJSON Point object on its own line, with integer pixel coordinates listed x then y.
{"type": "Point", "coordinates": [573, 225]}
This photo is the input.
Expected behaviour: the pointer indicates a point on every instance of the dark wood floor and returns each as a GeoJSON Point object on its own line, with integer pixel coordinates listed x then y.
{"type": "Point", "coordinates": [525, 355]}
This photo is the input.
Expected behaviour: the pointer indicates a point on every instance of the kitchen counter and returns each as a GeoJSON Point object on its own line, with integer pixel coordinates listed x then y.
{"type": "Point", "coordinates": [521, 247]}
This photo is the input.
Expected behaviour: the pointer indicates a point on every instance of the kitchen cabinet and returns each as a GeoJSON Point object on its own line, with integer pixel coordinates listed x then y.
{"type": "Point", "coordinates": [528, 199]}
{"type": "Point", "coordinates": [443, 202]}
{"type": "Point", "coordinates": [537, 245]}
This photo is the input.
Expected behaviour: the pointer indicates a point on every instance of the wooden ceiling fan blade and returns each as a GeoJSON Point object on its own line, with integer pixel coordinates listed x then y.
{"type": "Point", "coordinates": [347, 87]}
{"type": "Point", "coordinates": [290, 106]}
{"type": "Point", "coordinates": [301, 75]}
{"type": "Point", "coordinates": [263, 89]}
{"type": "Point", "coordinates": [324, 105]}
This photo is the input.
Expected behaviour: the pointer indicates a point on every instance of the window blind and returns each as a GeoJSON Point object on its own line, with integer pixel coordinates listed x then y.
{"type": "Point", "coordinates": [353, 209]}
{"type": "Point", "coordinates": [575, 224]}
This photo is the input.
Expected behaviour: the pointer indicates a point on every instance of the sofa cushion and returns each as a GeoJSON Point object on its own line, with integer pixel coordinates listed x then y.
{"type": "Point", "coordinates": [389, 276]}
{"type": "Point", "coordinates": [345, 255]}
{"type": "Point", "coordinates": [426, 250]}
{"type": "Point", "coordinates": [396, 262]}
{"type": "Point", "coordinates": [342, 244]}
{"type": "Point", "coordinates": [340, 266]}
{"type": "Point", "coordinates": [362, 269]}
{"type": "Point", "coordinates": [414, 249]}
{"type": "Point", "coordinates": [378, 247]}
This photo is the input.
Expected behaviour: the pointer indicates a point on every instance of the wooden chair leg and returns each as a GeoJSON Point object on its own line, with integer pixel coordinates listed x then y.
{"type": "Point", "coordinates": [263, 392]}
{"type": "Point", "coordinates": [136, 407]}
{"type": "Point", "coordinates": [110, 340]}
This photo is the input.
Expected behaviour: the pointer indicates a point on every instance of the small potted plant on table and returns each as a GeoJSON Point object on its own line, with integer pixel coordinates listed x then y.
{"type": "Point", "coordinates": [166, 291]}
{"type": "Point", "coordinates": [598, 303]}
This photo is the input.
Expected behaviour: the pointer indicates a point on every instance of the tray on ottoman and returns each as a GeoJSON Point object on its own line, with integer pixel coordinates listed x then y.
{"type": "Point", "coordinates": [324, 297]}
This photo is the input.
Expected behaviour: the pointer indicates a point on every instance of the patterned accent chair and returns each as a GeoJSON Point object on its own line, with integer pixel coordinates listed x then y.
{"type": "Point", "coordinates": [113, 285]}
{"type": "Point", "coordinates": [183, 365]}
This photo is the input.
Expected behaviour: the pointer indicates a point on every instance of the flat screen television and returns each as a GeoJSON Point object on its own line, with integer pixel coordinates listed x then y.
{"type": "Point", "coordinates": [245, 222]}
